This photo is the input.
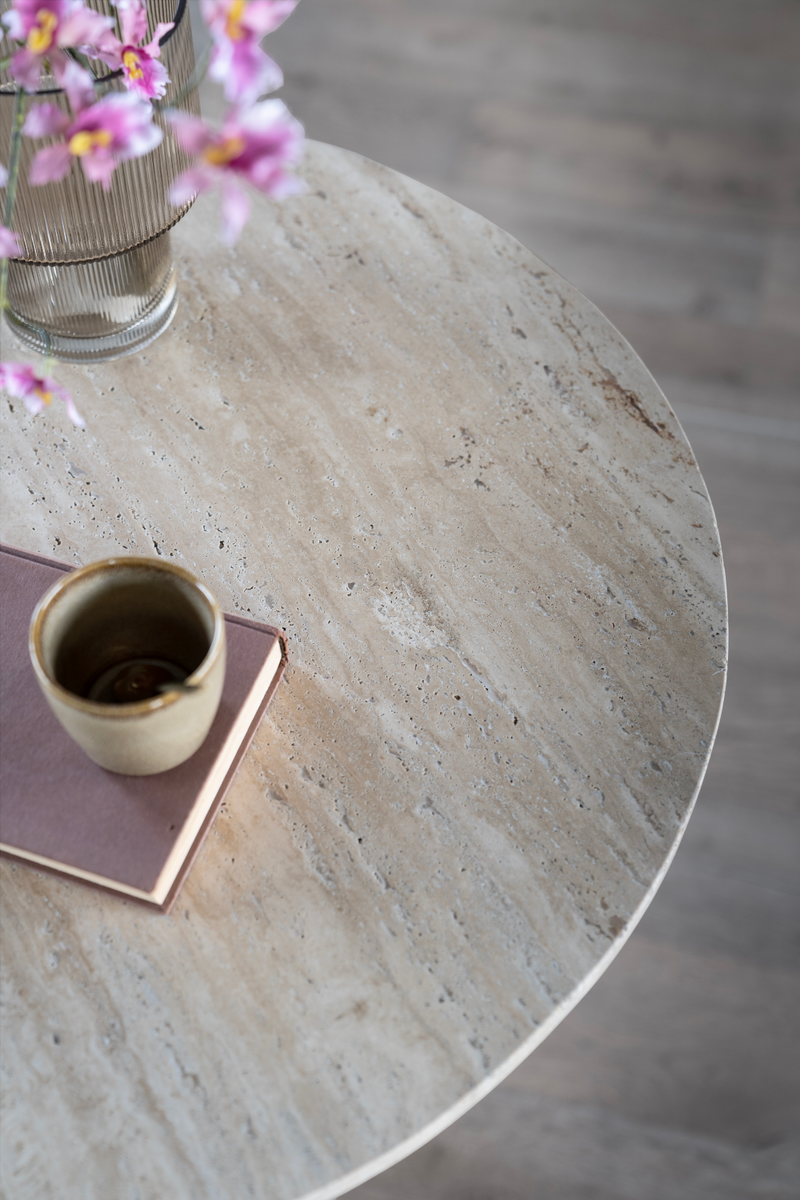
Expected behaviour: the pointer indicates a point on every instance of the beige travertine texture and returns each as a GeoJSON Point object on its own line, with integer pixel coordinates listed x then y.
{"type": "Point", "coordinates": [384, 425]}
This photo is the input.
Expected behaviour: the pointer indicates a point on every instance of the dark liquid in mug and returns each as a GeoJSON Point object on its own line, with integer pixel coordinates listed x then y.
{"type": "Point", "coordinates": [135, 679]}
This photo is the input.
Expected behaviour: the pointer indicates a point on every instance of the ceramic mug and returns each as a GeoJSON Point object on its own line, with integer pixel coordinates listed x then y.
{"type": "Point", "coordinates": [130, 656]}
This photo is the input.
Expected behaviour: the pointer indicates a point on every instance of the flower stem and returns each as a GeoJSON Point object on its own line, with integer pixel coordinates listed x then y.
{"type": "Point", "coordinates": [194, 80]}
{"type": "Point", "coordinates": [84, 62]}
{"type": "Point", "coordinates": [46, 347]}
{"type": "Point", "coordinates": [17, 121]}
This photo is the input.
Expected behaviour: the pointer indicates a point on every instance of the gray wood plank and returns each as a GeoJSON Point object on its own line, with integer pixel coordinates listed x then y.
{"type": "Point", "coordinates": [523, 1146]}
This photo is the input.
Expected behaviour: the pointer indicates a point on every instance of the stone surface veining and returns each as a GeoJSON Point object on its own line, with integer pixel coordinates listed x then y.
{"type": "Point", "coordinates": [384, 425]}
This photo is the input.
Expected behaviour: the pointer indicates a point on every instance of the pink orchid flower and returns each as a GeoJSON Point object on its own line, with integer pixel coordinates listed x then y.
{"type": "Point", "coordinates": [116, 128]}
{"type": "Point", "coordinates": [237, 62]}
{"type": "Point", "coordinates": [140, 70]}
{"type": "Point", "coordinates": [48, 27]}
{"type": "Point", "coordinates": [9, 243]}
{"type": "Point", "coordinates": [3, 175]}
{"type": "Point", "coordinates": [254, 146]}
{"type": "Point", "coordinates": [36, 391]}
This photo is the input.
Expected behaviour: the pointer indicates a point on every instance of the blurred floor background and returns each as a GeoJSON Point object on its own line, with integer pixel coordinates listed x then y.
{"type": "Point", "coordinates": [649, 150]}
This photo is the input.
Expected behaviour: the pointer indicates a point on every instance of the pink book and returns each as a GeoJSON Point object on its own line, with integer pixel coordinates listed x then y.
{"type": "Point", "coordinates": [133, 835]}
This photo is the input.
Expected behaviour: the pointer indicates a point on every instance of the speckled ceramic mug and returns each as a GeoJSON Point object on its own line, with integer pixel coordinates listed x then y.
{"type": "Point", "coordinates": [130, 656]}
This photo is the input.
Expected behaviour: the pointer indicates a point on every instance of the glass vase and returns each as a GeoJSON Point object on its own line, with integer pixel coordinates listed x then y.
{"type": "Point", "coordinates": [96, 279]}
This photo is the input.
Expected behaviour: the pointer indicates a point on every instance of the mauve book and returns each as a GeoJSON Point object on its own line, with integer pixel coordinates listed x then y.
{"type": "Point", "coordinates": [134, 835]}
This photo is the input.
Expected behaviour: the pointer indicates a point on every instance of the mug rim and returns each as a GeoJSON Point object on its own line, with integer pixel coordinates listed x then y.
{"type": "Point", "coordinates": [131, 708]}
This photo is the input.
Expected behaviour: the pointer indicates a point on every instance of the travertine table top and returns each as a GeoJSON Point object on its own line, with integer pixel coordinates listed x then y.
{"type": "Point", "coordinates": [386, 426]}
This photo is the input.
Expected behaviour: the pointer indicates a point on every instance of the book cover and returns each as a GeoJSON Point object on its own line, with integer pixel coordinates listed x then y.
{"type": "Point", "coordinates": [134, 835]}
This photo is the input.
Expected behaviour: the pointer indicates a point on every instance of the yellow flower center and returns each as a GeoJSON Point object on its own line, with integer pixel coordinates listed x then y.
{"type": "Point", "coordinates": [47, 397]}
{"type": "Point", "coordinates": [233, 22]}
{"type": "Point", "coordinates": [86, 141]}
{"type": "Point", "coordinates": [220, 156]}
{"type": "Point", "coordinates": [130, 60]}
{"type": "Point", "coordinates": [40, 38]}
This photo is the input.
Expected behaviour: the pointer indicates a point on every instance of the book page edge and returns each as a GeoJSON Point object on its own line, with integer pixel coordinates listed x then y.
{"type": "Point", "coordinates": [61, 868]}
{"type": "Point", "coordinates": [217, 775]}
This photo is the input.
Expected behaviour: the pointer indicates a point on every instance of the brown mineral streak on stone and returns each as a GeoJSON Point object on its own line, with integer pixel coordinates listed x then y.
{"type": "Point", "coordinates": [615, 393]}
{"type": "Point", "coordinates": [454, 786]}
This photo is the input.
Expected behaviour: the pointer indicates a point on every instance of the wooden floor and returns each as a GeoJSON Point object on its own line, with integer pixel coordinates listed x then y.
{"type": "Point", "coordinates": [649, 150]}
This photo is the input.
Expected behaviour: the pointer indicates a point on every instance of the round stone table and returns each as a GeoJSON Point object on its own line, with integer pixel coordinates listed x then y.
{"type": "Point", "coordinates": [386, 426]}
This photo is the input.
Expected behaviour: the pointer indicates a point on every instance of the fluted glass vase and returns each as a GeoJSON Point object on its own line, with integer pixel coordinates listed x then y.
{"type": "Point", "coordinates": [96, 279]}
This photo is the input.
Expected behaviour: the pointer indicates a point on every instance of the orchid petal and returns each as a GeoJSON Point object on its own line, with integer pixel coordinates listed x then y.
{"type": "Point", "coordinates": [98, 167]}
{"type": "Point", "coordinates": [140, 141]}
{"type": "Point", "coordinates": [111, 55]}
{"type": "Point", "coordinates": [133, 21]}
{"type": "Point", "coordinates": [191, 183]}
{"type": "Point", "coordinates": [26, 69]}
{"type": "Point", "coordinates": [21, 381]}
{"type": "Point", "coordinates": [263, 16]}
{"type": "Point", "coordinates": [275, 181]}
{"type": "Point", "coordinates": [50, 165]}
{"type": "Point", "coordinates": [105, 47]}
{"type": "Point", "coordinates": [82, 26]}
{"type": "Point", "coordinates": [45, 120]}
{"type": "Point", "coordinates": [267, 116]}
{"type": "Point", "coordinates": [129, 121]}
{"type": "Point", "coordinates": [69, 403]}
{"type": "Point", "coordinates": [153, 47]}
{"type": "Point", "coordinates": [73, 413]}
{"type": "Point", "coordinates": [75, 80]}
{"type": "Point", "coordinates": [192, 133]}
{"type": "Point", "coordinates": [258, 18]}
{"type": "Point", "coordinates": [9, 243]}
{"type": "Point", "coordinates": [147, 77]}
{"type": "Point", "coordinates": [271, 74]}
{"type": "Point", "coordinates": [16, 377]}
{"type": "Point", "coordinates": [13, 23]}
{"type": "Point", "coordinates": [245, 71]}
{"type": "Point", "coordinates": [33, 402]}
{"type": "Point", "coordinates": [235, 211]}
